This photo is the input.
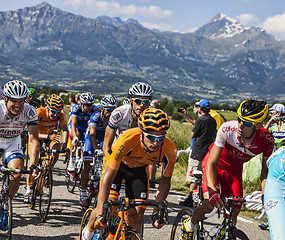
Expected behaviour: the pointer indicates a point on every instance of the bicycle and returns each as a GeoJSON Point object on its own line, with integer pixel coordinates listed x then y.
{"type": "Point", "coordinates": [71, 178]}
{"type": "Point", "coordinates": [95, 174]}
{"type": "Point", "coordinates": [225, 230]}
{"type": "Point", "coordinates": [118, 221]}
{"type": "Point", "coordinates": [42, 187]}
{"type": "Point", "coordinates": [5, 200]}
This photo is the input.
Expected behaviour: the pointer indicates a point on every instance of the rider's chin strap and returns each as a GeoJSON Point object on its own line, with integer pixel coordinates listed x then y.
{"type": "Point", "coordinates": [148, 150]}
{"type": "Point", "coordinates": [251, 135]}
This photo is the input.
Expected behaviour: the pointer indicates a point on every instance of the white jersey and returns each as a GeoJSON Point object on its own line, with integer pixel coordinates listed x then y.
{"type": "Point", "coordinates": [121, 119]}
{"type": "Point", "coordinates": [10, 129]}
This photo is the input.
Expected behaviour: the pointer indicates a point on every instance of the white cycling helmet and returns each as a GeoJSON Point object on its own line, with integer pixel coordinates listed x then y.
{"type": "Point", "coordinates": [86, 98]}
{"type": "Point", "coordinates": [15, 89]}
{"type": "Point", "coordinates": [126, 101]}
{"type": "Point", "coordinates": [141, 89]}
{"type": "Point", "coordinates": [108, 101]}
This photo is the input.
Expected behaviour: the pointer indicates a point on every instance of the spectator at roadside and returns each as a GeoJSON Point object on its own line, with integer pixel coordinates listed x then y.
{"type": "Point", "coordinates": [276, 125]}
{"type": "Point", "coordinates": [204, 132]}
{"type": "Point", "coordinates": [42, 101]}
{"type": "Point", "coordinates": [155, 104]}
{"type": "Point", "coordinates": [77, 98]}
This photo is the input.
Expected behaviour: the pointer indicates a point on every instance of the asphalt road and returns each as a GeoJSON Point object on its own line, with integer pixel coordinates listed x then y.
{"type": "Point", "coordinates": [63, 221]}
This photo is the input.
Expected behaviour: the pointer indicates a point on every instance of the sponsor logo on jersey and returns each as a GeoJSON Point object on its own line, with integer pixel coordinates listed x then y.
{"type": "Point", "coordinates": [116, 117]}
{"type": "Point", "coordinates": [119, 152]}
{"type": "Point", "coordinates": [229, 129]}
{"type": "Point", "coordinates": [31, 113]}
{"type": "Point", "coordinates": [279, 134]}
{"type": "Point", "coordinates": [10, 132]}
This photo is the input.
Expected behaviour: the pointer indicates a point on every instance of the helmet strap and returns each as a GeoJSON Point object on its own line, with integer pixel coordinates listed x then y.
{"type": "Point", "coordinates": [148, 150]}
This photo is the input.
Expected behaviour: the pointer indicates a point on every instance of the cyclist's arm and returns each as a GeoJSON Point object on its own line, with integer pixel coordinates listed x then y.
{"type": "Point", "coordinates": [211, 167]}
{"type": "Point", "coordinates": [162, 191]}
{"type": "Point", "coordinates": [92, 135]}
{"type": "Point", "coordinates": [108, 139]}
{"type": "Point", "coordinates": [64, 134]}
{"type": "Point", "coordinates": [74, 126]}
{"type": "Point", "coordinates": [34, 147]}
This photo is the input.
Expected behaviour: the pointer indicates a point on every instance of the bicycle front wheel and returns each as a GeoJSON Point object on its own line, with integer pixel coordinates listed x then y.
{"type": "Point", "coordinates": [46, 193]}
{"type": "Point", "coordinates": [6, 217]}
{"type": "Point", "coordinates": [34, 194]}
{"type": "Point", "coordinates": [237, 234]}
{"type": "Point", "coordinates": [132, 234]}
{"type": "Point", "coordinates": [84, 221]}
{"type": "Point", "coordinates": [70, 180]}
{"type": "Point", "coordinates": [176, 230]}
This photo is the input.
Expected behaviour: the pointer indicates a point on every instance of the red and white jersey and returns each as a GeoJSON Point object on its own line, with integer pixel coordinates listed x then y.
{"type": "Point", "coordinates": [233, 153]}
{"type": "Point", "coordinates": [121, 119]}
{"type": "Point", "coordinates": [10, 128]}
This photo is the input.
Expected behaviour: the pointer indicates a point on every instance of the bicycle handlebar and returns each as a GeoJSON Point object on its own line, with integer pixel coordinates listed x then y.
{"type": "Point", "coordinates": [4, 169]}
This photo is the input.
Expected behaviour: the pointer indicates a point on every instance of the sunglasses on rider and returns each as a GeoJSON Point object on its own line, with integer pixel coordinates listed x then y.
{"type": "Point", "coordinates": [88, 104]}
{"type": "Point", "coordinates": [54, 111]}
{"type": "Point", "coordinates": [272, 112]}
{"type": "Point", "coordinates": [141, 101]}
{"type": "Point", "coordinates": [244, 123]}
{"type": "Point", "coordinates": [154, 138]}
{"type": "Point", "coordinates": [108, 109]}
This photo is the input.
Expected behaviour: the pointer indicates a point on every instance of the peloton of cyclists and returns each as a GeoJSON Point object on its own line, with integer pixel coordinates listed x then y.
{"type": "Point", "coordinates": [15, 114]}
{"type": "Point", "coordinates": [129, 158]}
{"type": "Point", "coordinates": [236, 142]}
{"type": "Point", "coordinates": [51, 120]}
{"type": "Point", "coordinates": [95, 136]}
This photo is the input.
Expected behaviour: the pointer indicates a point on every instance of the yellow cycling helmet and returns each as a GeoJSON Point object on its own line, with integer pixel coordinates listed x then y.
{"type": "Point", "coordinates": [254, 111]}
{"type": "Point", "coordinates": [55, 102]}
{"type": "Point", "coordinates": [153, 119]}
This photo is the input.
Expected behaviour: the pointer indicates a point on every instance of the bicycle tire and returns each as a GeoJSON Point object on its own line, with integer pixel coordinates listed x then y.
{"type": "Point", "coordinates": [178, 223]}
{"type": "Point", "coordinates": [70, 180]}
{"type": "Point", "coordinates": [84, 221]}
{"type": "Point", "coordinates": [237, 234]}
{"type": "Point", "coordinates": [132, 234]}
{"type": "Point", "coordinates": [8, 232]}
{"type": "Point", "coordinates": [34, 194]}
{"type": "Point", "coordinates": [46, 193]}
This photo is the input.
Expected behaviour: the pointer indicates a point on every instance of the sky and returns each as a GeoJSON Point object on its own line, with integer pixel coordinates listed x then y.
{"type": "Point", "coordinates": [173, 15]}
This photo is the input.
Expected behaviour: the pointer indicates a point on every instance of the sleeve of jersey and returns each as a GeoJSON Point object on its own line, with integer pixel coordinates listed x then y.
{"type": "Point", "coordinates": [169, 160]}
{"type": "Point", "coordinates": [94, 119]}
{"type": "Point", "coordinates": [74, 111]}
{"type": "Point", "coordinates": [32, 116]}
{"type": "Point", "coordinates": [118, 151]}
{"type": "Point", "coordinates": [221, 136]}
{"type": "Point", "coordinates": [115, 119]}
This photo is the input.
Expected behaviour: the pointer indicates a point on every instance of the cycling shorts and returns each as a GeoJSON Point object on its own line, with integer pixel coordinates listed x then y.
{"type": "Point", "coordinates": [229, 182]}
{"type": "Point", "coordinates": [88, 149]}
{"type": "Point", "coordinates": [136, 182]}
{"type": "Point", "coordinates": [274, 204]}
{"type": "Point", "coordinates": [12, 150]}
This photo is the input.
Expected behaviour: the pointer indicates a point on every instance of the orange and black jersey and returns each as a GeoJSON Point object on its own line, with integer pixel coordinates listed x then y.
{"type": "Point", "coordinates": [129, 150]}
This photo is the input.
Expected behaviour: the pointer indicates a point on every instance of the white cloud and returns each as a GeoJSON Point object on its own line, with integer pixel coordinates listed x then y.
{"type": "Point", "coordinates": [275, 25]}
{"type": "Point", "coordinates": [193, 29]}
{"type": "Point", "coordinates": [161, 27]}
{"type": "Point", "coordinates": [247, 18]}
{"type": "Point", "coordinates": [115, 8]}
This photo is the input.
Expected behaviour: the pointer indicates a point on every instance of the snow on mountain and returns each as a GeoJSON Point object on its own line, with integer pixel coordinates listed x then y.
{"type": "Point", "coordinates": [221, 26]}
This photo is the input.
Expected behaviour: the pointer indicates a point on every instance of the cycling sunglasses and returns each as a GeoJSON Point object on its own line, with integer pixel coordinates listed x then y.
{"type": "Point", "coordinates": [154, 138]}
{"type": "Point", "coordinates": [141, 101]}
{"type": "Point", "coordinates": [244, 123]}
{"type": "Point", "coordinates": [108, 109]}
{"type": "Point", "coordinates": [88, 104]}
{"type": "Point", "coordinates": [54, 111]}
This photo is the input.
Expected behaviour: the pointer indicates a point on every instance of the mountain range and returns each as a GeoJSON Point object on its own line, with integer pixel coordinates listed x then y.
{"type": "Point", "coordinates": [222, 61]}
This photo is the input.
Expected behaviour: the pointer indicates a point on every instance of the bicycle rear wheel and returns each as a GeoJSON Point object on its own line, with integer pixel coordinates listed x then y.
{"type": "Point", "coordinates": [84, 220]}
{"type": "Point", "coordinates": [237, 234]}
{"type": "Point", "coordinates": [70, 180]}
{"type": "Point", "coordinates": [176, 230]}
{"type": "Point", "coordinates": [46, 193]}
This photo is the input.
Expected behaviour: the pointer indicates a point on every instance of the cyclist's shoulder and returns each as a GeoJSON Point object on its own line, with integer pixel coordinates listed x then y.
{"type": "Point", "coordinates": [29, 111]}
{"type": "Point", "coordinates": [131, 134]}
{"type": "Point", "coordinates": [121, 113]}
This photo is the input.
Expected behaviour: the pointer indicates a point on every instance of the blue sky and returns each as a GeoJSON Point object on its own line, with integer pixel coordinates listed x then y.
{"type": "Point", "coordinates": [174, 15]}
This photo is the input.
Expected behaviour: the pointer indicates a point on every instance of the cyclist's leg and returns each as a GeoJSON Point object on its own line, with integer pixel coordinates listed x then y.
{"type": "Point", "coordinates": [14, 158]}
{"type": "Point", "coordinates": [274, 204]}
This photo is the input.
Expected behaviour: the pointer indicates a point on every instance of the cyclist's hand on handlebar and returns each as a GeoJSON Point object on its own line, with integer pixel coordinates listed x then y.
{"type": "Point", "coordinates": [98, 225]}
{"type": "Point", "coordinates": [75, 140]}
{"type": "Point", "coordinates": [36, 171]}
{"type": "Point", "coordinates": [155, 221]}
{"type": "Point", "coordinates": [216, 200]}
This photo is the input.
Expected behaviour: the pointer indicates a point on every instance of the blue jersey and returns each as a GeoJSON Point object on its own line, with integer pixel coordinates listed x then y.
{"type": "Point", "coordinates": [82, 117]}
{"type": "Point", "coordinates": [276, 165]}
{"type": "Point", "coordinates": [97, 121]}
